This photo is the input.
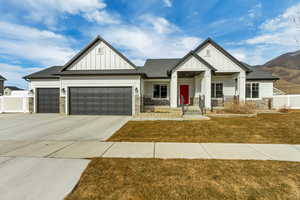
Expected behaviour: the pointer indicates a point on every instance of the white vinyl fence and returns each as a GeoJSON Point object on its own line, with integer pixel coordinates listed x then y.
{"type": "Point", "coordinates": [286, 101]}
{"type": "Point", "coordinates": [14, 104]}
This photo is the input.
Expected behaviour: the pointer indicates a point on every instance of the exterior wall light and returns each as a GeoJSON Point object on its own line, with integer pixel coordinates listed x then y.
{"type": "Point", "coordinates": [136, 90]}
{"type": "Point", "coordinates": [63, 91]}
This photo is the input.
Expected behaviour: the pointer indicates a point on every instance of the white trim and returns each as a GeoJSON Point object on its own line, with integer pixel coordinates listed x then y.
{"type": "Point", "coordinates": [251, 98]}
{"type": "Point", "coordinates": [152, 92]}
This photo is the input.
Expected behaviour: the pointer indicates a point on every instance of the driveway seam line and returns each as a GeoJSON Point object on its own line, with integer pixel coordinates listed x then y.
{"type": "Point", "coordinates": [48, 156]}
{"type": "Point", "coordinates": [206, 151]}
{"type": "Point", "coordinates": [107, 149]}
{"type": "Point", "coordinates": [293, 146]}
{"type": "Point", "coordinates": [269, 156]}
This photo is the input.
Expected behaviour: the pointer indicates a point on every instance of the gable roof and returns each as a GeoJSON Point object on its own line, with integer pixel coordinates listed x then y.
{"type": "Point", "coordinates": [13, 88]}
{"type": "Point", "coordinates": [45, 73]}
{"type": "Point", "coordinates": [233, 59]}
{"type": "Point", "coordinates": [86, 48]}
{"type": "Point", "coordinates": [259, 74]}
{"type": "Point", "coordinates": [2, 78]}
{"type": "Point", "coordinates": [158, 68]}
{"type": "Point", "coordinates": [192, 53]}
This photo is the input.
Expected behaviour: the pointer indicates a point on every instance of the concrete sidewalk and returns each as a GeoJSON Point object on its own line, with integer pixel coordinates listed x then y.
{"type": "Point", "coordinates": [39, 178]}
{"type": "Point", "coordinates": [90, 149]}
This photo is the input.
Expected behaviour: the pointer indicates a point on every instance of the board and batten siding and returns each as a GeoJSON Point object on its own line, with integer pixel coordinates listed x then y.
{"type": "Point", "coordinates": [192, 64]}
{"type": "Point", "coordinates": [148, 87]}
{"type": "Point", "coordinates": [218, 60]}
{"type": "Point", "coordinates": [229, 88]}
{"type": "Point", "coordinates": [100, 57]}
{"type": "Point", "coordinates": [265, 88]}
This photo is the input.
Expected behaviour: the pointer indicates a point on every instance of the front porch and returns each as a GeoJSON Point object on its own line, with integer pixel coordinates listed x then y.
{"type": "Point", "coordinates": [189, 87]}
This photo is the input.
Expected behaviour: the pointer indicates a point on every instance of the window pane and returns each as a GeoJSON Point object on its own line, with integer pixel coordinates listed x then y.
{"type": "Point", "coordinates": [213, 90]}
{"type": "Point", "coordinates": [156, 91]}
{"type": "Point", "coordinates": [255, 90]}
{"type": "Point", "coordinates": [219, 90]}
{"type": "Point", "coordinates": [248, 90]}
{"type": "Point", "coordinates": [163, 91]}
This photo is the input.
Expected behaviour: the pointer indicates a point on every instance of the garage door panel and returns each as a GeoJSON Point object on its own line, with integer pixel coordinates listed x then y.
{"type": "Point", "coordinates": [48, 100]}
{"type": "Point", "coordinates": [101, 101]}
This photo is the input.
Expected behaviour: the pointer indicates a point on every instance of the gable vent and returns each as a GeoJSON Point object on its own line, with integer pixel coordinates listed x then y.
{"type": "Point", "coordinates": [207, 53]}
{"type": "Point", "coordinates": [100, 50]}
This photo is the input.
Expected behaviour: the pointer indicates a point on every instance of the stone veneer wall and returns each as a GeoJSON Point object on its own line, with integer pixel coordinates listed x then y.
{"type": "Point", "coordinates": [62, 105]}
{"type": "Point", "coordinates": [137, 104]}
{"type": "Point", "coordinates": [147, 101]}
{"type": "Point", "coordinates": [31, 104]}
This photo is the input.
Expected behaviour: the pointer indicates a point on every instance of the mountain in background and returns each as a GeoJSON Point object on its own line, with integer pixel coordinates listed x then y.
{"type": "Point", "coordinates": [287, 68]}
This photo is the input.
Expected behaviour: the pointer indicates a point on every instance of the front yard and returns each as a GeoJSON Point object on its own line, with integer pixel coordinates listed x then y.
{"type": "Point", "coordinates": [265, 128]}
{"type": "Point", "coordinates": [188, 179]}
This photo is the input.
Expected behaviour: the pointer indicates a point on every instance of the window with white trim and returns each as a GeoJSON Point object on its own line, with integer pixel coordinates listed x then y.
{"type": "Point", "coordinates": [217, 90]}
{"type": "Point", "coordinates": [252, 90]}
{"type": "Point", "coordinates": [160, 91]}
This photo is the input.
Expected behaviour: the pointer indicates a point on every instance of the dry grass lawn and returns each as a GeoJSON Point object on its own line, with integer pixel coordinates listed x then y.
{"type": "Point", "coordinates": [265, 128]}
{"type": "Point", "coordinates": [151, 179]}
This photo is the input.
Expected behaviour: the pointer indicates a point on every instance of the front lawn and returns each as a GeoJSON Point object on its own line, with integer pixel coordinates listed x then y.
{"type": "Point", "coordinates": [265, 128]}
{"type": "Point", "coordinates": [188, 179]}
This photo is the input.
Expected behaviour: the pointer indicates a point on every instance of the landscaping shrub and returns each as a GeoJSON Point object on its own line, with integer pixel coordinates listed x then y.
{"type": "Point", "coordinates": [239, 108]}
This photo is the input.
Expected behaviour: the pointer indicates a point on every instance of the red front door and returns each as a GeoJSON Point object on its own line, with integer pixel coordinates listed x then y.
{"type": "Point", "coordinates": [184, 91]}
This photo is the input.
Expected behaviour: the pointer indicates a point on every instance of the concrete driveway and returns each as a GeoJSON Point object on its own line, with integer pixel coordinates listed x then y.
{"type": "Point", "coordinates": [27, 142]}
{"type": "Point", "coordinates": [58, 127]}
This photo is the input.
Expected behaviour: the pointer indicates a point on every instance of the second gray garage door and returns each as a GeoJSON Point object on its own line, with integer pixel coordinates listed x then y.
{"type": "Point", "coordinates": [100, 101]}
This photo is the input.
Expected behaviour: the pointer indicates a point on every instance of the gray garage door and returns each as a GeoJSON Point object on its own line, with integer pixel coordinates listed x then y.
{"type": "Point", "coordinates": [100, 101]}
{"type": "Point", "coordinates": [48, 100]}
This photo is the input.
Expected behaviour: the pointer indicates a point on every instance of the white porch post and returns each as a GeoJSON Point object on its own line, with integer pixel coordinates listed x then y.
{"type": "Point", "coordinates": [173, 99]}
{"type": "Point", "coordinates": [206, 88]}
{"type": "Point", "coordinates": [242, 86]}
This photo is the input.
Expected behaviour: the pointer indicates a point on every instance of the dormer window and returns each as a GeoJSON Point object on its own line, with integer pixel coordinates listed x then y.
{"type": "Point", "coordinates": [100, 51]}
{"type": "Point", "coordinates": [207, 53]}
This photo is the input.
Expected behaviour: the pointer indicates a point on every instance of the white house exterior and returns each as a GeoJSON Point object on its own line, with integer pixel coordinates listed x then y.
{"type": "Point", "coordinates": [101, 80]}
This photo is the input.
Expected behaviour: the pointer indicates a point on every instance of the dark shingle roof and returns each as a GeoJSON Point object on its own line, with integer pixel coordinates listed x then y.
{"type": "Point", "coordinates": [12, 88]}
{"type": "Point", "coordinates": [102, 72]}
{"type": "Point", "coordinates": [258, 74]}
{"type": "Point", "coordinates": [2, 78]}
{"type": "Point", "coordinates": [158, 68]}
{"type": "Point", "coordinates": [45, 73]}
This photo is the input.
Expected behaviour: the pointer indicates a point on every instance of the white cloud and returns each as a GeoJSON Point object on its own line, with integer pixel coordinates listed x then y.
{"type": "Point", "coordinates": [141, 42]}
{"type": "Point", "coordinates": [159, 24]}
{"type": "Point", "coordinates": [14, 74]}
{"type": "Point", "coordinates": [277, 36]}
{"type": "Point", "coordinates": [40, 46]}
{"type": "Point", "coordinates": [279, 30]}
{"type": "Point", "coordinates": [48, 11]}
{"type": "Point", "coordinates": [101, 17]}
{"type": "Point", "coordinates": [168, 3]}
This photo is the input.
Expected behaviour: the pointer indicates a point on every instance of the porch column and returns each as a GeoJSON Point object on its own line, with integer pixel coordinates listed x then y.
{"type": "Point", "coordinates": [173, 96]}
{"type": "Point", "coordinates": [206, 83]}
{"type": "Point", "coordinates": [242, 86]}
{"type": "Point", "coordinates": [197, 84]}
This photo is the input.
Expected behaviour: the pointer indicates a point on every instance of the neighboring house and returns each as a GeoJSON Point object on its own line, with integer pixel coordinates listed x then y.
{"type": "Point", "coordinates": [9, 89]}
{"type": "Point", "coordinates": [101, 80]}
{"type": "Point", "coordinates": [2, 79]}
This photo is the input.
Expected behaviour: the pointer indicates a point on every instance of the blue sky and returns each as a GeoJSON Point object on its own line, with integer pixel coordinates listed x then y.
{"type": "Point", "coordinates": [35, 34]}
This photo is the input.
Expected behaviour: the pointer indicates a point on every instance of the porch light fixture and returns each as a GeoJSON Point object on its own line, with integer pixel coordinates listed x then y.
{"type": "Point", "coordinates": [63, 91]}
{"type": "Point", "coordinates": [136, 90]}
{"type": "Point", "coordinates": [31, 92]}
